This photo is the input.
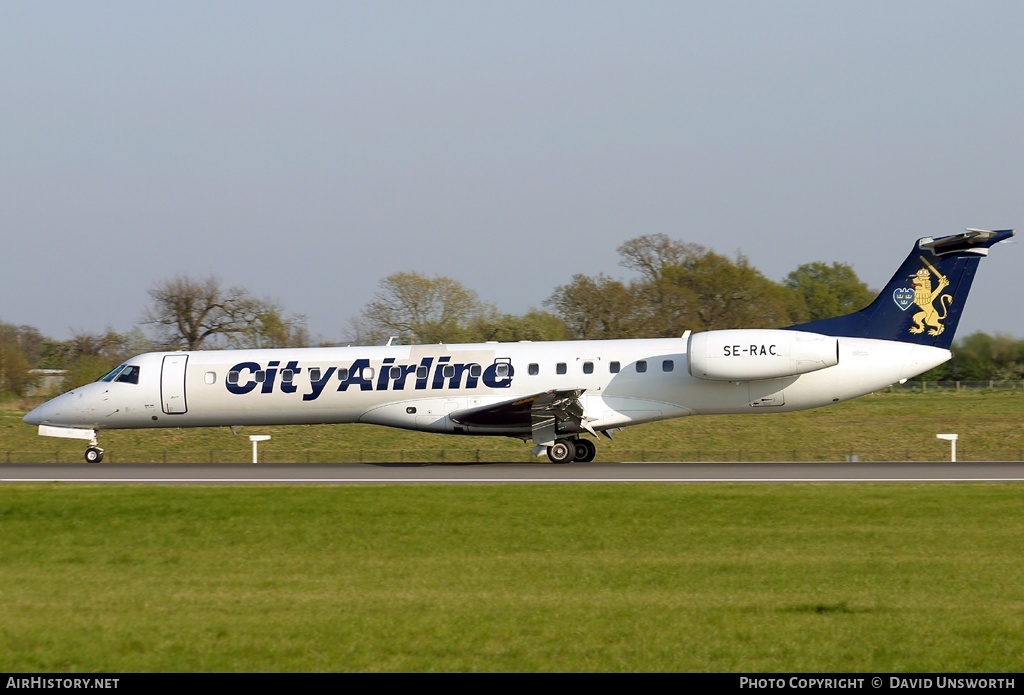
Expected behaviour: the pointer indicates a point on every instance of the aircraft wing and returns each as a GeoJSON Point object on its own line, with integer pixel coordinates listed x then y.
{"type": "Point", "coordinates": [544, 414]}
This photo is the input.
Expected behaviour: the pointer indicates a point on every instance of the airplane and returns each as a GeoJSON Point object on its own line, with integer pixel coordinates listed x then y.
{"type": "Point", "coordinates": [548, 393]}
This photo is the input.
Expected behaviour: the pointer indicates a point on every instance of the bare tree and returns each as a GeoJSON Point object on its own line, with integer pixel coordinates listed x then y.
{"type": "Point", "coordinates": [651, 254]}
{"type": "Point", "coordinates": [188, 313]}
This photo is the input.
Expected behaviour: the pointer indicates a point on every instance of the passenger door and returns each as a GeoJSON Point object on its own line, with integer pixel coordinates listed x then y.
{"type": "Point", "coordinates": [172, 384]}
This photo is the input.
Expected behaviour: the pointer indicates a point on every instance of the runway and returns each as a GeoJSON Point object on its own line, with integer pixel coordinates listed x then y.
{"type": "Point", "coordinates": [452, 473]}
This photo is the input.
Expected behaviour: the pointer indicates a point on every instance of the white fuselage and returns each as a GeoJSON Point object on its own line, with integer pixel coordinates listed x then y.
{"type": "Point", "coordinates": [623, 382]}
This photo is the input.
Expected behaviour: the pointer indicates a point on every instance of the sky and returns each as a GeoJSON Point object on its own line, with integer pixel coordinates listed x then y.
{"type": "Point", "coordinates": [306, 150]}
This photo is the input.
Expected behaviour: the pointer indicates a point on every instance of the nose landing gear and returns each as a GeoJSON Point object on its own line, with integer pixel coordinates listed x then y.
{"type": "Point", "coordinates": [94, 454]}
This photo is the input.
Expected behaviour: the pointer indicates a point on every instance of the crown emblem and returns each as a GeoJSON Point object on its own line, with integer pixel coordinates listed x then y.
{"type": "Point", "coordinates": [904, 297]}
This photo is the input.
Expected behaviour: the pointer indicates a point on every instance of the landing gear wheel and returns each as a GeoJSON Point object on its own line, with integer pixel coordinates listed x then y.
{"type": "Point", "coordinates": [94, 454]}
{"type": "Point", "coordinates": [585, 450]}
{"type": "Point", "coordinates": [562, 451]}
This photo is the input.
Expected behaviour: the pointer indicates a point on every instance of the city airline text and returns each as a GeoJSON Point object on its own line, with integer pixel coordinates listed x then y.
{"type": "Point", "coordinates": [427, 374]}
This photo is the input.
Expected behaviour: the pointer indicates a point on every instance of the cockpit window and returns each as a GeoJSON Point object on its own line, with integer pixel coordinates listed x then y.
{"type": "Point", "coordinates": [113, 372]}
{"type": "Point", "coordinates": [125, 373]}
{"type": "Point", "coordinates": [129, 375]}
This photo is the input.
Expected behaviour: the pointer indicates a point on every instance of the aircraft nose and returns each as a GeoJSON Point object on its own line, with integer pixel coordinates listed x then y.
{"type": "Point", "coordinates": [46, 413]}
{"type": "Point", "coordinates": [34, 417]}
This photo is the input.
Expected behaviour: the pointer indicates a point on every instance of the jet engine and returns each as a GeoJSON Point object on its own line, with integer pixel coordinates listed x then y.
{"type": "Point", "coordinates": [741, 355]}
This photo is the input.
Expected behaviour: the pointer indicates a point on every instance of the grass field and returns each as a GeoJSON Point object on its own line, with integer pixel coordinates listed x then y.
{"type": "Point", "coordinates": [880, 427]}
{"type": "Point", "coordinates": [520, 578]}
{"type": "Point", "coordinates": [525, 578]}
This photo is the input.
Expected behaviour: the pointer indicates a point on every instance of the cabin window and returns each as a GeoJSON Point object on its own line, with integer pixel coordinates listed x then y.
{"type": "Point", "coordinates": [287, 375]}
{"type": "Point", "coordinates": [260, 376]}
{"type": "Point", "coordinates": [668, 365]}
{"type": "Point", "coordinates": [534, 369]}
{"type": "Point", "coordinates": [501, 368]}
{"type": "Point", "coordinates": [367, 373]}
{"type": "Point", "coordinates": [448, 371]}
{"type": "Point", "coordinates": [314, 374]}
{"type": "Point", "coordinates": [232, 377]}
{"type": "Point", "coordinates": [560, 368]}
{"type": "Point", "coordinates": [588, 367]}
{"type": "Point", "coordinates": [210, 378]}
{"type": "Point", "coordinates": [395, 373]}
{"type": "Point", "coordinates": [342, 373]}
{"type": "Point", "coordinates": [475, 370]}
{"type": "Point", "coordinates": [613, 367]}
{"type": "Point", "coordinates": [641, 366]}
{"type": "Point", "coordinates": [421, 371]}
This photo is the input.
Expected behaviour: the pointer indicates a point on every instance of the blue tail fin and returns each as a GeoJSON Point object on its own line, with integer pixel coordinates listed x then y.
{"type": "Point", "coordinates": [923, 301]}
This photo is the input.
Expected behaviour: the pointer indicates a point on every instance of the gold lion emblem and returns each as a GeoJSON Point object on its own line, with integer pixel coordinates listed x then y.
{"type": "Point", "coordinates": [925, 297]}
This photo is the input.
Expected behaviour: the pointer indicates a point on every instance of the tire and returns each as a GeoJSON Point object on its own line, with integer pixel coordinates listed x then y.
{"type": "Point", "coordinates": [586, 450]}
{"type": "Point", "coordinates": [562, 451]}
{"type": "Point", "coordinates": [93, 455]}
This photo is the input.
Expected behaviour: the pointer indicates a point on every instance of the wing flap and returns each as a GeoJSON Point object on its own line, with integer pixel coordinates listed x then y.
{"type": "Point", "coordinates": [544, 414]}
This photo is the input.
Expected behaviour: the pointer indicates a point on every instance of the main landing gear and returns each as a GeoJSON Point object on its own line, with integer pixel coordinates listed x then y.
{"type": "Point", "coordinates": [569, 450]}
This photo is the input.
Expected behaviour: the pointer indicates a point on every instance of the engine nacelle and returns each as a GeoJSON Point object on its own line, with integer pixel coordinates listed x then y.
{"type": "Point", "coordinates": [755, 353]}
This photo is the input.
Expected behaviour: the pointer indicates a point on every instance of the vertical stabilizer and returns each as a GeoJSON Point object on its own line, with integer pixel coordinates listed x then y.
{"type": "Point", "coordinates": [924, 300]}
